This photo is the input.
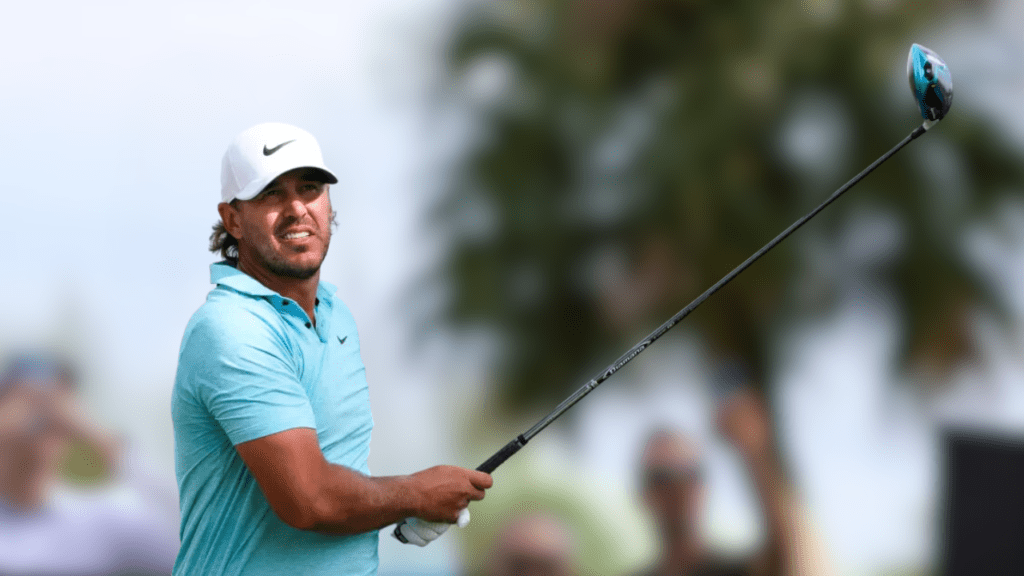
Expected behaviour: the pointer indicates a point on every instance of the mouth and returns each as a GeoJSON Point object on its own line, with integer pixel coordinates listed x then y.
{"type": "Point", "coordinates": [295, 235]}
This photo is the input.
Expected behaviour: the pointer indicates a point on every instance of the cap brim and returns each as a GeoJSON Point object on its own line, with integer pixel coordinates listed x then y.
{"type": "Point", "coordinates": [256, 186]}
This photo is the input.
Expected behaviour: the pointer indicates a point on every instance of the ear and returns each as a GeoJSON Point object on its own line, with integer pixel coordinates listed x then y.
{"type": "Point", "coordinates": [231, 219]}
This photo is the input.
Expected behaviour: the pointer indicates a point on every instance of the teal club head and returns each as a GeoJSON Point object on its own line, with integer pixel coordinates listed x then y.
{"type": "Point", "coordinates": [930, 82]}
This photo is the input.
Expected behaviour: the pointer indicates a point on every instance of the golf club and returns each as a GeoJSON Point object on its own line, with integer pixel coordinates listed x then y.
{"type": "Point", "coordinates": [932, 86]}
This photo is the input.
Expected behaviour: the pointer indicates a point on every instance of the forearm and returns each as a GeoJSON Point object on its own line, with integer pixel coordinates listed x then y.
{"type": "Point", "coordinates": [777, 506]}
{"type": "Point", "coordinates": [309, 493]}
{"type": "Point", "coordinates": [350, 503]}
{"type": "Point", "coordinates": [103, 450]}
{"type": "Point", "coordinates": [792, 547]}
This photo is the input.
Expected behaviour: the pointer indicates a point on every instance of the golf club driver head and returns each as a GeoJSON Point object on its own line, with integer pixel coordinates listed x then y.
{"type": "Point", "coordinates": [930, 81]}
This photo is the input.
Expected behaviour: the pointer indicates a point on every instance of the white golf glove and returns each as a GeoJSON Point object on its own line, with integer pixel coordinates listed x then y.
{"type": "Point", "coordinates": [420, 532]}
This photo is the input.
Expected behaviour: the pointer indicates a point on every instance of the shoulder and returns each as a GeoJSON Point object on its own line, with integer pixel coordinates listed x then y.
{"type": "Point", "coordinates": [329, 293]}
{"type": "Point", "coordinates": [229, 317]}
{"type": "Point", "coordinates": [341, 315]}
{"type": "Point", "coordinates": [230, 332]}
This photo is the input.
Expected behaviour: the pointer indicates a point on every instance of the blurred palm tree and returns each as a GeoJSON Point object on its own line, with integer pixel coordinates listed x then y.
{"type": "Point", "coordinates": [631, 152]}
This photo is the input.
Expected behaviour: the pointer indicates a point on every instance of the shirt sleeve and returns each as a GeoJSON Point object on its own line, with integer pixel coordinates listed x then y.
{"type": "Point", "coordinates": [240, 367]}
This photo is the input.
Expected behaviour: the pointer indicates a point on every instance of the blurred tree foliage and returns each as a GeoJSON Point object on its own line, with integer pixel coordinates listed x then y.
{"type": "Point", "coordinates": [631, 152]}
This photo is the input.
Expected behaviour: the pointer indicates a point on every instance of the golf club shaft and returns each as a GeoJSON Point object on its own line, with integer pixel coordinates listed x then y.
{"type": "Point", "coordinates": [512, 447]}
{"type": "Point", "coordinates": [506, 452]}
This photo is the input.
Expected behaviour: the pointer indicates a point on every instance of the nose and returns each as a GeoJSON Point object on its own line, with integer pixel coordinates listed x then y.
{"type": "Point", "coordinates": [295, 206]}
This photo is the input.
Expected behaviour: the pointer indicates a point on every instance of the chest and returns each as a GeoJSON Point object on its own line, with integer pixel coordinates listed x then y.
{"type": "Point", "coordinates": [331, 370]}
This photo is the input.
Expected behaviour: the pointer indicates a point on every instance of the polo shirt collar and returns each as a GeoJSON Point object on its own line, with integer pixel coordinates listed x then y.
{"type": "Point", "coordinates": [225, 274]}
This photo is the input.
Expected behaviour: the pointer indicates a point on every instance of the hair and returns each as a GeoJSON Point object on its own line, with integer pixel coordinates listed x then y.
{"type": "Point", "coordinates": [222, 241]}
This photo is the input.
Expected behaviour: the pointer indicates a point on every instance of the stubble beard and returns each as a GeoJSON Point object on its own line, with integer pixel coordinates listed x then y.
{"type": "Point", "coordinates": [280, 266]}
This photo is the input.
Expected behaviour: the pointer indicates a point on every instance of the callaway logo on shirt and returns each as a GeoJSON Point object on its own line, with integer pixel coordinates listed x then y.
{"type": "Point", "coordinates": [269, 151]}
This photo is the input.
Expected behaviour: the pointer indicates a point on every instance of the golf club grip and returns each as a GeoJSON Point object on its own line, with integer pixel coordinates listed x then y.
{"type": "Point", "coordinates": [489, 466]}
{"type": "Point", "coordinates": [500, 456]}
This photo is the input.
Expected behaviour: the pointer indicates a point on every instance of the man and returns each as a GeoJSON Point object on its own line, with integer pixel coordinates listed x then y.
{"type": "Point", "coordinates": [270, 404]}
{"type": "Point", "coordinates": [673, 491]}
{"type": "Point", "coordinates": [50, 529]}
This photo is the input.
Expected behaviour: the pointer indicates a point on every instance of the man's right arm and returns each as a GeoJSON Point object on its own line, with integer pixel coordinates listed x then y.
{"type": "Point", "coordinates": [309, 493]}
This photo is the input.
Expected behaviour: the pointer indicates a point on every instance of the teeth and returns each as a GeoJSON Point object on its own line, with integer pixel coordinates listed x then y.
{"type": "Point", "coordinates": [295, 235]}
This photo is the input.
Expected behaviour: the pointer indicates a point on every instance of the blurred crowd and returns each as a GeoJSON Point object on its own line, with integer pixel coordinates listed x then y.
{"type": "Point", "coordinates": [75, 499]}
{"type": "Point", "coordinates": [673, 490]}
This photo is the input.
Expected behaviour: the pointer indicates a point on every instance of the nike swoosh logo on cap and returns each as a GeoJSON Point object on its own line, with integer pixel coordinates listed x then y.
{"type": "Point", "coordinates": [342, 340]}
{"type": "Point", "coordinates": [269, 151]}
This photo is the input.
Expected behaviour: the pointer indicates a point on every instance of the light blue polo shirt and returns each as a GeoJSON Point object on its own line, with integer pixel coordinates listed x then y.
{"type": "Point", "coordinates": [252, 364]}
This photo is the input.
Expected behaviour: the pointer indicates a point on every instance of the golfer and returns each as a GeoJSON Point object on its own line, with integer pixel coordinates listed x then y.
{"type": "Point", "coordinates": [270, 404]}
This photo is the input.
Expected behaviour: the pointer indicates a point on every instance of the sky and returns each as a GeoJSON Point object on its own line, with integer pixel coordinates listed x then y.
{"type": "Point", "coordinates": [116, 115]}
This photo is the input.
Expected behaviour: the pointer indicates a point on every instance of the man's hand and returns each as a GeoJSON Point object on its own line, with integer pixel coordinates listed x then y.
{"type": "Point", "coordinates": [446, 492]}
{"type": "Point", "coordinates": [743, 419]}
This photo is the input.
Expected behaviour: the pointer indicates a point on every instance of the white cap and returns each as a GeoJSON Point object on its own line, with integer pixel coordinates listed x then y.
{"type": "Point", "coordinates": [264, 152]}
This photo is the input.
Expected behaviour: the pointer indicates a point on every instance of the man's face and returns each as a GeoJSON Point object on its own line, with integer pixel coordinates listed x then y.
{"type": "Point", "coordinates": [285, 230]}
{"type": "Point", "coordinates": [32, 436]}
{"type": "Point", "coordinates": [673, 487]}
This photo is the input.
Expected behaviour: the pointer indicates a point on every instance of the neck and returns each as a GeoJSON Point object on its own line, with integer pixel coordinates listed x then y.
{"type": "Point", "coordinates": [301, 290]}
{"type": "Point", "coordinates": [681, 554]}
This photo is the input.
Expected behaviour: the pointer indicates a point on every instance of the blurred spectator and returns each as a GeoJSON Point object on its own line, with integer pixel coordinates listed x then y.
{"type": "Point", "coordinates": [534, 545]}
{"type": "Point", "coordinates": [673, 490]}
{"type": "Point", "coordinates": [45, 530]}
